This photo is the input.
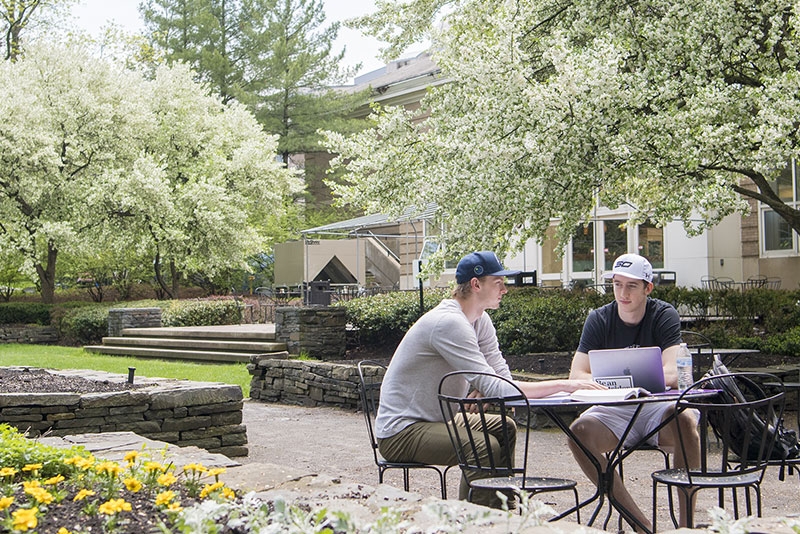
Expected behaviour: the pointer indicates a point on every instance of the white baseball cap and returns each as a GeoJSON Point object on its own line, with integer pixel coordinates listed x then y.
{"type": "Point", "coordinates": [632, 266]}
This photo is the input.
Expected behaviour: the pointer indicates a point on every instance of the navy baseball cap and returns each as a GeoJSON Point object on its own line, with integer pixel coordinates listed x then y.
{"type": "Point", "coordinates": [477, 264]}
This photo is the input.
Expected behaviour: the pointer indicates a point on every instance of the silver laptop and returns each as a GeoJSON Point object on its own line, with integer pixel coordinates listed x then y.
{"type": "Point", "coordinates": [634, 367]}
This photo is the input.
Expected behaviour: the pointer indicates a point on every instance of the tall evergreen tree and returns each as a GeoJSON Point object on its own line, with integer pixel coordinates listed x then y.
{"type": "Point", "coordinates": [275, 56]}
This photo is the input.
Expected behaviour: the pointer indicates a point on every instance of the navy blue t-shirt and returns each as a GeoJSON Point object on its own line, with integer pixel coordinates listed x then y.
{"type": "Point", "coordinates": [603, 329]}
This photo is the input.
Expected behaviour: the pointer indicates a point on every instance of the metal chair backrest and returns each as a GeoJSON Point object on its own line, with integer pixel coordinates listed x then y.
{"type": "Point", "coordinates": [745, 444]}
{"type": "Point", "coordinates": [469, 441]}
{"type": "Point", "coordinates": [370, 393]}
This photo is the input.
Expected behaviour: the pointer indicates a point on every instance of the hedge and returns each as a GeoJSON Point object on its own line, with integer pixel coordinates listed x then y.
{"type": "Point", "coordinates": [532, 320]}
{"type": "Point", "coordinates": [24, 313]}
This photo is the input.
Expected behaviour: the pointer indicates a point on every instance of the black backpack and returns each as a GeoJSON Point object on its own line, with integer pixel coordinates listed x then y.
{"type": "Point", "coordinates": [786, 446]}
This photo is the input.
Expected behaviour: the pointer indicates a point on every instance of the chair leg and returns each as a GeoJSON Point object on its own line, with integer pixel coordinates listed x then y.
{"type": "Point", "coordinates": [577, 506]}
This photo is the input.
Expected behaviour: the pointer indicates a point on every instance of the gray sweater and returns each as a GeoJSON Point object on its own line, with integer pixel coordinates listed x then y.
{"type": "Point", "coordinates": [441, 341]}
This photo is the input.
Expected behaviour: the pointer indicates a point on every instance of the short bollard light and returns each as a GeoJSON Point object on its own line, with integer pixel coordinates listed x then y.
{"type": "Point", "coordinates": [131, 372]}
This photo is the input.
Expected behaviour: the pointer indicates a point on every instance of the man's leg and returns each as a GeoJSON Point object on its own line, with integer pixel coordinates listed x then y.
{"type": "Point", "coordinates": [668, 438]}
{"type": "Point", "coordinates": [599, 440]}
{"type": "Point", "coordinates": [430, 443]}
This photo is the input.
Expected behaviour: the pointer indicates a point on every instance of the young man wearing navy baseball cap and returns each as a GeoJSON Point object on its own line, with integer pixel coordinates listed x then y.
{"type": "Point", "coordinates": [633, 319]}
{"type": "Point", "coordinates": [457, 335]}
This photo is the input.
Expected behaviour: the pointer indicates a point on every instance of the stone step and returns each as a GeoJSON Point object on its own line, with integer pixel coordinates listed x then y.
{"type": "Point", "coordinates": [175, 354]}
{"type": "Point", "coordinates": [249, 332]}
{"type": "Point", "coordinates": [220, 345]}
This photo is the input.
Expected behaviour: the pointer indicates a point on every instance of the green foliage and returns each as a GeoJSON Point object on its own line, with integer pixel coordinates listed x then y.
{"type": "Point", "coordinates": [24, 313]}
{"type": "Point", "coordinates": [787, 343]}
{"type": "Point", "coordinates": [532, 320]}
{"type": "Point", "coordinates": [201, 312]}
{"type": "Point", "coordinates": [85, 325]}
{"type": "Point", "coordinates": [17, 451]}
{"type": "Point", "coordinates": [385, 318]}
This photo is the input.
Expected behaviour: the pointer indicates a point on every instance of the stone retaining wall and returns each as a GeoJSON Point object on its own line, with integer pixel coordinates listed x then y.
{"type": "Point", "coordinates": [119, 318]}
{"type": "Point", "coordinates": [319, 331]}
{"type": "Point", "coordinates": [303, 382]}
{"type": "Point", "coordinates": [40, 335]}
{"type": "Point", "coordinates": [203, 414]}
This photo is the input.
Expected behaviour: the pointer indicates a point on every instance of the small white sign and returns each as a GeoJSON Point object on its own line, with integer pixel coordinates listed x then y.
{"type": "Point", "coordinates": [615, 382]}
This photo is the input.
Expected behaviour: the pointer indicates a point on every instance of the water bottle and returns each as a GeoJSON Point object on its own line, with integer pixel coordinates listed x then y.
{"type": "Point", "coordinates": [684, 361]}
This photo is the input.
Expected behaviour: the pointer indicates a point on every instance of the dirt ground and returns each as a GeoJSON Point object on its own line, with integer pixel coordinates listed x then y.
{"type": "Point", "coordinates": [334, 442]}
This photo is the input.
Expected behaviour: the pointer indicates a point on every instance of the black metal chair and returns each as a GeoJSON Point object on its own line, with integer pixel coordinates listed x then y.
{"type": "Point", "coordinates": [370, 392]}
{"type": "Point", "coordinates": [484, 467]}
{"type": "Point", "coordinates": [743, 454]}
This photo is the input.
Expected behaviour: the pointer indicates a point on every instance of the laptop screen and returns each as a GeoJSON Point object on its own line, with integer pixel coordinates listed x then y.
{"type": "Point", "coordinates": [631, 367]}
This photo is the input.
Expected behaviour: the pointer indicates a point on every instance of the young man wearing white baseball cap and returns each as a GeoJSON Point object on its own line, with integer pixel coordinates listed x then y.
{"type": "Point", "coordinates": [633, 319]}
{"type": "Point", "coordinates": [456, 335]}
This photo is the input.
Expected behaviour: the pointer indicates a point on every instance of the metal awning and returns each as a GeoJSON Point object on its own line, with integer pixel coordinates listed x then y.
{"type": "Point", "coordinates": [366, 222]}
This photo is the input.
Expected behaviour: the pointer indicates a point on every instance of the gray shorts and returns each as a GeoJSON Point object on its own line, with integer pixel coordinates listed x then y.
{"type": "Point", "coordinates": [616, 418]}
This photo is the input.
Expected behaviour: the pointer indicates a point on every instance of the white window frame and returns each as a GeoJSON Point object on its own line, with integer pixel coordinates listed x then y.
{"type": "Point", "coordinates": [763, 209]}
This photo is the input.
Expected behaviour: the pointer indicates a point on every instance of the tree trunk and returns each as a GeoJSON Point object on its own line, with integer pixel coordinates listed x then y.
{"type": "Point", "coordinates": [165, 290]}
{"type": "Point", "coordinates": [47, 275]}
{"type": "Point", "coordinates": [176, 279]}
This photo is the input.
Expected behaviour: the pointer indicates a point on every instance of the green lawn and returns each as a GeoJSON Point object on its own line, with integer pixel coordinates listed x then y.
{"type": "Point", "coordinates": [56, 357]}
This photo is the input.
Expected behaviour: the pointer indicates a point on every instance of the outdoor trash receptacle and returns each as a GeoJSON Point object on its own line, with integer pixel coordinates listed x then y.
{"type": "Point", "coordinates": [320, 294]}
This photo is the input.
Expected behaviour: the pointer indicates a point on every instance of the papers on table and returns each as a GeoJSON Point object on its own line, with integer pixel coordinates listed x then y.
{"type": "Point", "coordinates": [593, 395]}
{"type": "Point", "coordinates": [600, 395]}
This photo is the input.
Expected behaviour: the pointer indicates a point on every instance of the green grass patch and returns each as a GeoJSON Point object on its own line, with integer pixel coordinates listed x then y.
{"type": "Point", "coordinates": [56, 357]}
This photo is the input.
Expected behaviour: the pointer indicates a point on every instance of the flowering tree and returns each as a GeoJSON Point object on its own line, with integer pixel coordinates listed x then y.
{"type": "Point", "coordinates": [665, 106]}
{"type": "Point", "coordinates": [95, 157]}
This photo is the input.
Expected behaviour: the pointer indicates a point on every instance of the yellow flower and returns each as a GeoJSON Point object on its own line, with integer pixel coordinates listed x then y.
{"type": "Point", "coordinates": [167, 479]}
{"type": "Point", "coordinates": [8, 472]}
{"type": "Point", "coordinates": [24, 519]}
{"type": "Point", "coordinates": [164, 497]}
{"type": "Point", "coordinates": [28, 484]}
{"type": "Point", "coordinates": [209, 489]}
{"type": "Point", "coordinates": [153, 466]}
{"type": "Point", "coordinates": [194, 468]}
{"type": "Point", "coordinates": [216, 471]}
{"type": "Point", "coordinates": [63, 530]}
{"type": "Point", "coordinates": [54, 480]}
{"type": "Point", "coordinates": [40, 494]}
{"type": "Point", "coordinates": [131, 457]}
{"type": "Point", "coordinates": [228, 493]}
{"type": "Point", "coordinates": [112, 468]}
{"type": "Point", "coordinates": [32, 467]}
{"type": "Point", "coordinates": [82, 494]}
{"type": "Point", "coordinates": [132, 484]}
{"type": "Point", "coordinates": [5, 502]}
{"type": "Point", "coordinates": [174, 507]}
{"type": "Point", "coordinates": [114, 506]}
{"type": "Point", "coordinates": [81, 462]}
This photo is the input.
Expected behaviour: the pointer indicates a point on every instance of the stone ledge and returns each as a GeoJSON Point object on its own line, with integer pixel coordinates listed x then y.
{"type": "Point", "coordinates": [180, 412]}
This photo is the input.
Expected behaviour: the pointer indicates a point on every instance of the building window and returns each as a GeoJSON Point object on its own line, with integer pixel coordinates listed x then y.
{"type": "Point", "coordinates": [651, 244]}
{"type": "Point", "coordinates": [615, 241]}
{"type": "Point", "coordinates": [583, 249]}
{"type": "Point", "coordinates": [777, 238]}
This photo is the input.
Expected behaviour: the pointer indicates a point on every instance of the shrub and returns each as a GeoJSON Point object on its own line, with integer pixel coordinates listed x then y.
{"type": "Point", "coordinates": [385, 318]}
{"type": "Point", "coordinates": [532, 320]}
{"type": "Point", "coordinates": [24, 313]}
{"type": "Point", "coordinates": [85, 325]}
{"type": "Point", "coordinates": [200, 312]}
{"type": "Point", "coordinates": [787, 343]}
